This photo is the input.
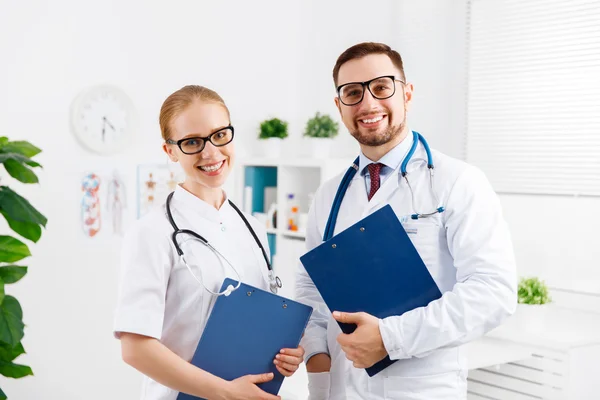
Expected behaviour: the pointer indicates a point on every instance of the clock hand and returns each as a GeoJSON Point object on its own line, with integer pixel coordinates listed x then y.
{"type": "Point", "coordinates": [109, 124]}
{"type": "Point", "coordinates": [103, 127]}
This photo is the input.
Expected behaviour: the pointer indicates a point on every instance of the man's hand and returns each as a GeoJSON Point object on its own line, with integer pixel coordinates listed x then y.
{"type": "Point", "coordinates": [288, 360]}
{"type": "Point", "coordinates": [364, 347]}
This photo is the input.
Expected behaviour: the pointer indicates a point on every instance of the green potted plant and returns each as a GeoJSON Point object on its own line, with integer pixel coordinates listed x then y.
{"type": "Point", "coordinates": [272, 132]}
{"type": "Point", "coordinates": [533, 296]}
{"type": "Point", "coordinates": [321, 129]}
{"type": "Point", "coordinates": [533, 291]}
{"type": "Point", "coordinates": [26, 221]}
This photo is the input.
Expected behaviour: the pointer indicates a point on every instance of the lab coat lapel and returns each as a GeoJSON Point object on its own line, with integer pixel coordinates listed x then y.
{"type": "Point", "coordinates": [355, 201]}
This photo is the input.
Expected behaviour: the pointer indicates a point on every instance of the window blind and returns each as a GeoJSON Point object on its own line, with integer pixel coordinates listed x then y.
{"type": "Point", "coordinates": [533, 95]}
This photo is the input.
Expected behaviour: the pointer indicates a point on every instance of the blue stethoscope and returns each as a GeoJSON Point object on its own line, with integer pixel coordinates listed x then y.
{"type": "Point", "coordinates": [339, 196]}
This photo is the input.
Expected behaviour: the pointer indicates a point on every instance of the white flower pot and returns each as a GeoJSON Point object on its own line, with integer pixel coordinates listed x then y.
{"type": "Point", "coordinates": [320, 148]}
{"type": "Point", "coordinates": [272, 147]}
{"type": "Point", "coordinates": [533, 317]}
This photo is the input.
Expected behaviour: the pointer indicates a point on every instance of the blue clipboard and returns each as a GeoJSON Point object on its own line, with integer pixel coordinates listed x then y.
{"type": "Point", "coordinates": [244, 333]}
{"type": "Point", "coordinates": [373, 267]}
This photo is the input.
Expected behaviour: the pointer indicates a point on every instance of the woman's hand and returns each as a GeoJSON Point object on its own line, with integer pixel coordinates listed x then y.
{"type": "Point", "coordinates": [288, 361]}
{"type": "Point", "coordinates": [245, 388]}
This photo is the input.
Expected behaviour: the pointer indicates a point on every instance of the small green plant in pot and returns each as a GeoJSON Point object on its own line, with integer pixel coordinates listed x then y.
{"type": "Point", "coordinates": [27, 222]}
{"type": "Point", "coordinates": [321, 129]}
{"type": "Point", "coordinates": [533, 291]}
{"type": "Point", "coordinates": [272, 131]}
{"type": "Point", "coordinates": [321, 126]}
{"type": "Point", "coordinates": [273, 128]}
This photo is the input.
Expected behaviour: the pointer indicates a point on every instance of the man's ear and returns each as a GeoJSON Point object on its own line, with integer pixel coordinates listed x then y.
{"type": "Point", "coordinates": [170, 152]}
{"type": "Point", "coordinates": [408, 94]}
{"type": "Point", "coordinates": [336, 100]}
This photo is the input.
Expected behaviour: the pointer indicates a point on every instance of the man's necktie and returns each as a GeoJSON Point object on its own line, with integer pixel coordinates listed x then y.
{"type": "Point", "coordinates": [374, 170]}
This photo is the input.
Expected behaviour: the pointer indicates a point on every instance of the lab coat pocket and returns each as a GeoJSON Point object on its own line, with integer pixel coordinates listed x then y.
{"type": "Point", "coordinates": [447, 385]}
{"type": "Point", "coordinates": [427, 236]}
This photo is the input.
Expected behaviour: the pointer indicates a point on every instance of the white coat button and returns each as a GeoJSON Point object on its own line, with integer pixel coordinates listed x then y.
{"type": "Point", "coordinates": [223, 229]}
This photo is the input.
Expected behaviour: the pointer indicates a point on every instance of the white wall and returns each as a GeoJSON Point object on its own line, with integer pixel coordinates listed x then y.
{"type": "Point", "coordinates": [430, 36]}
{"type": "Point", "coordinates": [266, 58]}
{"type": "Point", "coordinates": [556, 238]}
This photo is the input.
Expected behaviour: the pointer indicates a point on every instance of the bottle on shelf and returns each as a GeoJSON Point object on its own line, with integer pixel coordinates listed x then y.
{"type": "Point", "coordinates": [292, 209]}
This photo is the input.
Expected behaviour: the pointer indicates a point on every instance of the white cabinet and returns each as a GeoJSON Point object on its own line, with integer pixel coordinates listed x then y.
{"type": "Point", "coordinates": [565, 349]}
{"type": "Point", "coordinates": [262, 181]}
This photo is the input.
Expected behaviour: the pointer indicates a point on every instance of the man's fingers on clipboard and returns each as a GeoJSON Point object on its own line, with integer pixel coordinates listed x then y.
{"type": "Point", "coordinates": [350, 318]}
{"type": "Point", "coordinates": [354, 357]}
{"type": "Point", "coordinates": [357, 364]}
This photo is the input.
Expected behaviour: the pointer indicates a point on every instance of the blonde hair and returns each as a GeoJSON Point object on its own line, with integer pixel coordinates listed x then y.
{"type": "Point", "coordinates": [177, 102]}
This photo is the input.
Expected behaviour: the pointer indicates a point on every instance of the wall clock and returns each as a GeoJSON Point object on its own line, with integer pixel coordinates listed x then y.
{"type": "Point", "coordinates": [103, 119]}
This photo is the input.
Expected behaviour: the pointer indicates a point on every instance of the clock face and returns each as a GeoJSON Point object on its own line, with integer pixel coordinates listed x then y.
{"type": "Point", "coordinates": [102, 119]}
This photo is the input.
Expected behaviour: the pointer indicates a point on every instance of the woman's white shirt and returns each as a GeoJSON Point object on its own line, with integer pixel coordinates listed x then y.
{"type": "Point", "coordinates": [159, 297]}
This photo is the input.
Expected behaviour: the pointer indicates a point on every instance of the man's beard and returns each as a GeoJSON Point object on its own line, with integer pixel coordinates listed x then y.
{"type": "Point", "coordinates": [377, 138]}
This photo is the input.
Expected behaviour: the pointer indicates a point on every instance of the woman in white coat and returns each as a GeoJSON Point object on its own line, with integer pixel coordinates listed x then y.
{"type": "Point", "coordinates": [465, 246]}
{"type": "Point", "coordinates": [162, 309]}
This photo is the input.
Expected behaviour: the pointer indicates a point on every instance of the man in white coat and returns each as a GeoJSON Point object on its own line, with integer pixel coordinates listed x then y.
{"type": "Point", "coordinates": [466, 248]}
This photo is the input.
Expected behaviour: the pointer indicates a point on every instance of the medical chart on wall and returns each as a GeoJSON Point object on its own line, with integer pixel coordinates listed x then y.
{"type": "Point", "coordinates": [116, 202]}
{"type": "Point", "coordinates": [154, 183]}
{"type": "Point", "coordinates": [103, 203]}
{"type": "Point", "coordinates": [90, 205]}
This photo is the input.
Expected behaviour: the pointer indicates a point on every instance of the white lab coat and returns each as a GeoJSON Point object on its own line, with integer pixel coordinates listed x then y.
{"type": "Point", "coordinates": [468, 251]}
{"type": "Point", "coordinates": [159, 298]}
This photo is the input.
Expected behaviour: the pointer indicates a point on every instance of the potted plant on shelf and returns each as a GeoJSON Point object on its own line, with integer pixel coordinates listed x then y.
{"type": "Point", "coordinates": [533, 296]}
{"type": "Point", "coordinates": [26, 221]}
{"type": "Point", "coordinates": [321, 130]}
{"type": "Point", "coordinates": [272, 132]}
{"type": "Point", "coordinates": [533, 291]}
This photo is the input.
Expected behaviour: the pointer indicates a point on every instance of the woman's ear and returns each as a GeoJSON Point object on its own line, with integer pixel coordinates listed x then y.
{"type": "Point", "coordinates": [170, 152]}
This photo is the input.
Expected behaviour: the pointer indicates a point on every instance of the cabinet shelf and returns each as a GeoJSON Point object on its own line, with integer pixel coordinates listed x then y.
{"type": "Point", "coordinates": [287, 233]}
{"type": "Point", "coordinates": [293, 234]}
